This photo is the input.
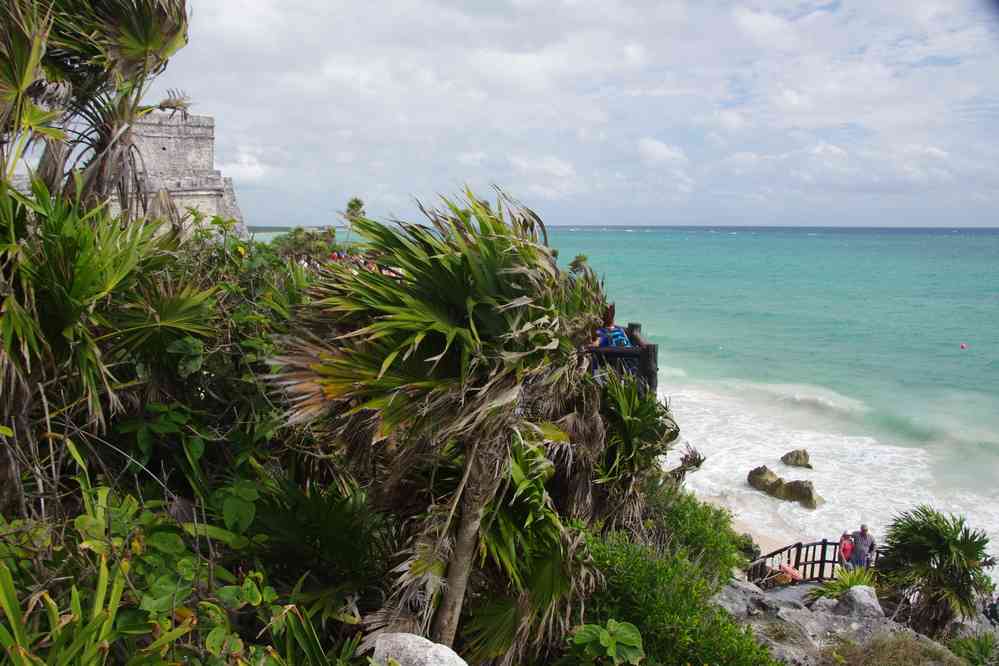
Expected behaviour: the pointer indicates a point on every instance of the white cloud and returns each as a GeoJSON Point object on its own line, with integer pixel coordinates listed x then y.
{"type": "Point", "coordinates": [731, 120]}
{"type": "Point", "coordinates": [635, 54]}
{"type": "Point", "coordinates": [802, 104]}
{"type": "Point", "coordinates": [766, 30]}
{"type": "Point", "coordinates": [653, 151]}
{"type": "Point", "coordinates": [246, 168]}
{"type": "Point", "coordinates": [471, 158]}
{"type": "Point", "coordinates": [548, 177]}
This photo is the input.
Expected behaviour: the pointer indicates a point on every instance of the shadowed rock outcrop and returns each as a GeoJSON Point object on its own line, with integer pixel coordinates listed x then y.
{"type": "Point", "coordinates": [796, 458]}
{"type": "Point", "coordinates": [797, 634]}
{"type": "Point", "coordinates": [803, 492]}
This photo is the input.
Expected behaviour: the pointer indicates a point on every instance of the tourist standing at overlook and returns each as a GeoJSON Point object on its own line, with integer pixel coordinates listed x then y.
{"type": "Point", "coordinates": [863, 547]}
{"type": "Point", "coordinates": [611, 335]}
{"type": "Point", "coordinates": [846, 551]}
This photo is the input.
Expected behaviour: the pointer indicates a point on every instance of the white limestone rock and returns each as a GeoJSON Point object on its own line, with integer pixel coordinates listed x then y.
{"type": "Point", "coordinates": [413, 650]}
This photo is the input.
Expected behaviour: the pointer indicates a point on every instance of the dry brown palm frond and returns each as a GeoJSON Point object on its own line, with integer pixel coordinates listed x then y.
{"type": "Point", "coordinates": [176, 101]}
{"type": "Point", "coordinates": [419, 580]}
{"type": "Point", "coordinates": [691, 460]}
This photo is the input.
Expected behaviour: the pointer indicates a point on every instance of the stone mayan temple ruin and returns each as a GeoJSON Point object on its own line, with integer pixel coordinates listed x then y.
{"type": "Point", "coordinates": [179, 157]}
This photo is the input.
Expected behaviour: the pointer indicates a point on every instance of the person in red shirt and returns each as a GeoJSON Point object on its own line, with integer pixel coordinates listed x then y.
{"type": "Point", "coordinates": [845, 551]}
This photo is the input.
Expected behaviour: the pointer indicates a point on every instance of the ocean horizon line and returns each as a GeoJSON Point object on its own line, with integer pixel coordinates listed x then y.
{"type": "Point", "coordinates": [268, 228]}
{"type": "Point", "coordinates": [769, 227]}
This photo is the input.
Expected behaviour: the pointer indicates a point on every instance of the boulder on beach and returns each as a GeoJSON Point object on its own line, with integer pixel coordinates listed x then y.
{"type": "Point", "coordinates": [763, 478]}
{"type": "Point", "coordinates": [803, 492]}
{"type": "Point", "coordinates": [796, 458]}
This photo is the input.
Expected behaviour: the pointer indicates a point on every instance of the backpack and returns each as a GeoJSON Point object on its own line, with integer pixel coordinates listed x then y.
{"type": "Point", "coordinates": [613, 337]}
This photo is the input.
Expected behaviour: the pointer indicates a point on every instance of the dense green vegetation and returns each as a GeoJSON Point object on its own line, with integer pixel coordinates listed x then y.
{"type": "Point", "coordinates": [936, 567]}
{"type": "Point", "coordinates": [889, 649]}
{"type": "Point", "coordinates": [845, 579]}
{"type": "Point", "coordinates": [978, 650]}
{"type": "Point", "coordinates": [218, 451]}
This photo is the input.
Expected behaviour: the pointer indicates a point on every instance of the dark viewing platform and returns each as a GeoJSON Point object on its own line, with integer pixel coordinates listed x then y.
{"type": "Point", "coordinates": [641, 359]}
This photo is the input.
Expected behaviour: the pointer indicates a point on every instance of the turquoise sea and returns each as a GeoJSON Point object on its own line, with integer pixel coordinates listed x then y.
{"type": "Point", "coordinates": [846, 342]}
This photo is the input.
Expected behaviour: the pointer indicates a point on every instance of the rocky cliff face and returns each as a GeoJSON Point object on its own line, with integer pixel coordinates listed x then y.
{"type": "Point", "coordinates": [802, 634]}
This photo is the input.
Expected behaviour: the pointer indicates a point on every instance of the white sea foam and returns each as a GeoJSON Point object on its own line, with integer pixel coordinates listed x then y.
{"type": "Point", "coordinates": [861, 478]}
{"type": "Point", "coordinates": [800, 395]}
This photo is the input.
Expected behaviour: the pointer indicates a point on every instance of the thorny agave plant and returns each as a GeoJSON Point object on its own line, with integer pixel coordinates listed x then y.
{"type": "Point", "coordinates": [464, 339]}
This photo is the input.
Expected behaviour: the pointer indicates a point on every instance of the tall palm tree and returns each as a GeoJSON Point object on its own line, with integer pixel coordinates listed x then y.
{"type": "Point", "coordinates": [465, 338]}
{"type": "Point", "coordinates": [938, 561]}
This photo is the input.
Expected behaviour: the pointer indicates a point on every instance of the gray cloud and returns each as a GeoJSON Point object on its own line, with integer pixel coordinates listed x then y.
{"type": "Point", "coordinates": [605, 111]}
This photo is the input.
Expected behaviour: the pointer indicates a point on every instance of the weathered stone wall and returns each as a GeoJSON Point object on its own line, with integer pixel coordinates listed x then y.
{"type": "Point", "coordinates": [174, 145]}
{"type": "Point", "coordinates": [178, 155]}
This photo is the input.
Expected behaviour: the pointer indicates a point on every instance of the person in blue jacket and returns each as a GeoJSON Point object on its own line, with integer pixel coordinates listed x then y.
{"type": "Point", "coordinates": [610, 334]}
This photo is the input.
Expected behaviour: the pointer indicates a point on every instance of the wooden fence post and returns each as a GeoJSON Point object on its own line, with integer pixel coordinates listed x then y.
{"type": "Point", "coordinates": [822, 567]}
{"type": "Point", "coordinates": [797, 555]}
{"type": "Point", "coordinates": [648, 366]}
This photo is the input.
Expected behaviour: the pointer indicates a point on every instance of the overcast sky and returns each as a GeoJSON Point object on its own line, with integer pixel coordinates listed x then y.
{"type": "Point", "coordinates": [850, 112]}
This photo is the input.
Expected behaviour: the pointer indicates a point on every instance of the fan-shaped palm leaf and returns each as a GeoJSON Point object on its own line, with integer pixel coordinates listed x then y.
{"type": "Point", "coordinates": [939, 558]}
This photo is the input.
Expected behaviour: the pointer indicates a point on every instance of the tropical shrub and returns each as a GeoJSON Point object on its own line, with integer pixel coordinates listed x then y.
{"type": "Point", "coordinates": [889, 649]}
{"type": "Point", "coordinates": [845, 579]}
{"type": "Point", "coordinates": [639, 430]}
{"type": "Point", "coordinates": [678, 522]}
{"type": "Point", "coordinates": [86, 632]}
{"type": "Point", "coordinates": [978, 650]}
{"type": "Point", "coordinates": [460, 341]}
{"type": "Point", "coordinates": [617, 643]}
{"type": "Point", "coordinates": [940, 562]}
{"type": "Point", "coordinates": [330, 545]}
{"type": "Point", "coordinates": [666, 598]}
{"type": "Point", "coordinates": [309, 246]}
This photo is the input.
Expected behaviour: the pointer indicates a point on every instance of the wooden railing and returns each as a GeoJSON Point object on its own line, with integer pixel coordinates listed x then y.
{"type": "Point", "coordinates": [642, 358]}
{"type": "Point", "coordinates": [816, 562]}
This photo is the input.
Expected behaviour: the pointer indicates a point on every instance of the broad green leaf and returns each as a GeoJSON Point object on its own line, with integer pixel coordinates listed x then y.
{"type": "Point", "coordinates": [212, 532]}
{"type": "Point", "coordinates": [167, 542]}
{"type": "Point", "coordinates": [231, 596]}
{"type": "Point", "coordinates": [89, 526]}
{"type": "Point", "coordinates": [215, 642]}
{"type": "Point", "coordinates": [95, 545]}
{"type": "Point", "coordinates": [251, 593]}
{"type": "Point", "coordinates": [247, 490]}
{"type": "Point", "coordinates": [238, 513]}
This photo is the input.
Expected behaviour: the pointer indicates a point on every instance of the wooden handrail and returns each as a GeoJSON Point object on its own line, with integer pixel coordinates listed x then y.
{"type": "Point", "coordinates": [812, 560]}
